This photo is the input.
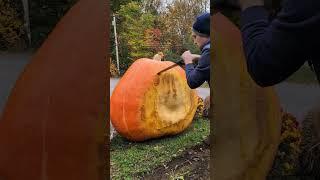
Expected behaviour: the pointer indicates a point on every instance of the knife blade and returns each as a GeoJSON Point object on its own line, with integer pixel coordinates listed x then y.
{"type": "Point", "coordinates": [179, 63]}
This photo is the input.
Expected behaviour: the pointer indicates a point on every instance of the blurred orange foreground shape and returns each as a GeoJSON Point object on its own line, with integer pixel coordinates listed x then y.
{"type": "Point", "coordinates": [52, 126]}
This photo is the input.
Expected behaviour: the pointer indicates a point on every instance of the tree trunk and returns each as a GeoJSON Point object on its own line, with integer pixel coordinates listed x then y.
{"type": "Point", "coordinates": [25, 4]}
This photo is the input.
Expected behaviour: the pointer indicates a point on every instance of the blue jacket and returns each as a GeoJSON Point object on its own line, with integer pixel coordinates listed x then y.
{"type": "Point", "coordinates": [197, 75]}
{"type": "Point", "coordinates": [276, 49]}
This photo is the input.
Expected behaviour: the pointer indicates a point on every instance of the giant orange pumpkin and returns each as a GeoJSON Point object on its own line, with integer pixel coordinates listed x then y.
{"type": "Point", "coordinates": [145, 105]}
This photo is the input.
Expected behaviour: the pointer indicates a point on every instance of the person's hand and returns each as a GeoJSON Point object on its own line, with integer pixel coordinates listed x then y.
{"type": "Point", "coordinates": [248, 3]}
{"type": "Point", "coordinates": [196, 57]}
{"type": "Point", "coordinates": [187, 57]}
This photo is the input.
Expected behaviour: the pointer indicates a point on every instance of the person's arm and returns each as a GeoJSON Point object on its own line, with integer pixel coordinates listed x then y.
{"type": "Point", "coordinates": [196, 76]}
{"type": "Point", "coordinates": [274, 50]}
{"type": "Point", "coordinates": [196, 57]}
{"type": "Point", "coordinates": [244, 4]}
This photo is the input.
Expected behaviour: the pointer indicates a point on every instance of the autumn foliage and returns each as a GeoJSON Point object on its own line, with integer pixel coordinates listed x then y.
{"type": "Point", "coordinates": [11, 26]}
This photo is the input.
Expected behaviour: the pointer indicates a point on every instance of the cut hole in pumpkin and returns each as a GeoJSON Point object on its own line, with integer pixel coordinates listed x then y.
{"type": "Point", "coordinates": [169, 102]}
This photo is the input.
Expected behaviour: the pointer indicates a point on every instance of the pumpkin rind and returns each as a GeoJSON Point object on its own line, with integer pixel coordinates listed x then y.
{"type": "Point", "coordinates": [52, 126]}
{"type": "Point", "coordinates": [247, 117]}
{"type": "Point", "coordinates": [145, 105]}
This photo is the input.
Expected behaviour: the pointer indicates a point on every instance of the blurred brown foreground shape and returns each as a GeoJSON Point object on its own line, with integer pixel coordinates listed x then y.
{"type": "Point", "coordinates": [246, 117]}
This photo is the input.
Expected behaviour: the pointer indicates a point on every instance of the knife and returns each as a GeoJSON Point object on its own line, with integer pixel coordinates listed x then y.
{"type": "Point", "coordinates": [179, 63]}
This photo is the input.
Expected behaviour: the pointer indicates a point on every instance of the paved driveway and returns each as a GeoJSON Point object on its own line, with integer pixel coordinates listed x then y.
{"type": "Point", "coordinates": [11, 66]}
{"type": "Point", "coordinates": [298, 99]}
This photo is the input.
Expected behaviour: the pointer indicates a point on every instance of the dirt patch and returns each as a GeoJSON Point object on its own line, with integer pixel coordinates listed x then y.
{"type": "Point", "coordinates": [192, 164]}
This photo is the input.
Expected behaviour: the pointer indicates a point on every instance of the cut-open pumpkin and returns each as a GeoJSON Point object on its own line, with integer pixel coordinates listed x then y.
{"type": "Point", "coordinates": [146, 105]}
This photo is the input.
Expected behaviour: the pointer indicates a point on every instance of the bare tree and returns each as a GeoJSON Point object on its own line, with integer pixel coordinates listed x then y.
{"type": "Point", "coordinates": [25, 4]}
{"type": "Point", "coordinates": [178, 19]}
{"type": "Point", "coordinates": [152, 5]}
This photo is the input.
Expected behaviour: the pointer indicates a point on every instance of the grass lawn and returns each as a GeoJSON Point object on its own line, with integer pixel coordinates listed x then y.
{"type": "Point", "coordinates": [131, 160]}
{"type": "Point", "coordinates": [303, 76]}
{"type": "Point", "coordinates": [205, 85]}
